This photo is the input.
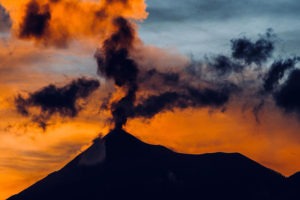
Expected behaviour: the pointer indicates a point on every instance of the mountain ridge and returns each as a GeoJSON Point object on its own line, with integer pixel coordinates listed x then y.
{"type": "Point", "coordinates": [121, 166]}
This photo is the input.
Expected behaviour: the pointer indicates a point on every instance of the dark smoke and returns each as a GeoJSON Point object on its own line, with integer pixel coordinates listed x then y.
{"type": "Point", "coordinates": [276, 73]}
{"type": "Point", "coordinates": [114, 63]}
{"type": "Point", "coordinates": [253, 52]}
{"type": "Point", "coordinates": [154, 104]}
{"type": "Point", "coordinates": [150, 90]}
{"type": "Point", "coordinates": [167, 78]}
{"type": "Point", "coordinates": [5, 20]}
{"type": "Point", "coordinates": [54, 1]}
{"type": "Point", "coordinates": [113, 59]}
{"type": "Point", "coordinates": [117, 1]}
{"type": "Point", "coordinates": [158, 82]}
{"type": "Point", "coordinates": [36, 20]}
{"type": "Point", "coordinates": [244, 53]}
{"type": "Point", "coordinates": [225, 65]}
{"type": "Point", "coordinates": [280, 91]}
{"type": "Point", "coordinates": [208, 97]}
{"type": "Point", "coordinates": [288, 96]}
{"type": "Point", "coordinates": [209, 83]}
{"type": "Point", "coordinates": [165, 91]}
{"type": "Point", "coordinates": [56, 100]}
{"type": "Point", "coordinates": [171, 100]}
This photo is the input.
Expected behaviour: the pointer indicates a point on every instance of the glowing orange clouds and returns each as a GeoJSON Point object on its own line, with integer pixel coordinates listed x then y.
{"type": "Point", "coordinates": [58, 22]}
{"type": "Point", "coordinates": [274, 142]}
{"type": "Point", "coordinates": [27, 154]}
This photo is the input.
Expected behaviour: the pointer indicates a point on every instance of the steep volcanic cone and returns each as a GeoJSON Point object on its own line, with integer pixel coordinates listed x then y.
{"type": "Point", "coordinates": [121, 166]}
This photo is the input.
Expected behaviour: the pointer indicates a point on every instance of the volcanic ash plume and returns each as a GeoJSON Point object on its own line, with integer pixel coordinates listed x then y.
{"type": "Point", "coordinates": [145, 84]}
{"type": "Point", "coordinates": [115, 61]}
{"type": "Point", "coordinates": [56, 100]}
{"type": "Point", "coordinates": [215, 82]}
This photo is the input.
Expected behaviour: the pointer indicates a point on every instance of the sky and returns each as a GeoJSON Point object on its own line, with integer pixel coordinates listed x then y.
{"type": "Point", "coordinates": [181, 39]}
{"type": "Point", "coordinates": [205, 27]}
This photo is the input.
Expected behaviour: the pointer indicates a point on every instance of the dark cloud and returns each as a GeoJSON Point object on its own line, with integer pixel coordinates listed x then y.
{"type": "Point", "coordinates": [253, 52]}
{"type": "Point", "coordinates": [244, 52]}
{"type": "Point", "coordinates": [209, 83]}
{"type": "Point", "coordinates": [117, 1]}
{"type": "Point", "coordinates": [167, 90]}
{"type": "Point", "coordinates": [56, 100]}
{"type": "Point", "coordinates": [5, 21]}
{"type": "Point", "coordinates": [41, 23]}
{"type": "Point", "coordinates": [276, 73]}
{"type": "Point", "coordinates": [171, 100]}
{"type": "Point", "coordinates": [157, 103]}
{"type": "Point", "coordinates": [54, 1]}
{"type": "Point", "coordinates": [113, 58]}
{"type": "Point", "coordinates": [208, 97]}
{"type": "Point", "coordinates": [162, 90]}
{"type": "Point", "coordinates": [36, 20]}
{"type": "Point", "coordinates": [170, 90]}
{"type": "Point", "coordinates": [168, 78]}
{"type": "Point", "coordinates": [191, 97]}
{"type": "Point", "coordinates": [225, 65]}
{"type": "Point", "coordinates": [253, 91]}
{"type": "Point", "coordinates": [153, 79]}
{"type": "Point", "coordinates": [288, 96]}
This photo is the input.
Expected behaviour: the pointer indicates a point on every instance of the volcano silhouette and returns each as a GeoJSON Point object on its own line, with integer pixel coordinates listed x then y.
{"type": "Point", "coordinates": [120, 166]}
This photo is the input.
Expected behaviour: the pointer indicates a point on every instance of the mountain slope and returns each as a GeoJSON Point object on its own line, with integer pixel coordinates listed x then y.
{"type": "Point", "coordinates": [121, 166]}
{"type": "Point", "coordinates": [293, 189]}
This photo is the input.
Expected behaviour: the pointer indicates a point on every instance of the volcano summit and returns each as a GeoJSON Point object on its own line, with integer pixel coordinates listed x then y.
{"type": "Point", "coordinates": [121, 166]}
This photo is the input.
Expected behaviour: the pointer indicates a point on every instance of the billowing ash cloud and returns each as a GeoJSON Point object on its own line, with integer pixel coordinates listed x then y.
{"type": "Point", "coordinates": [225, 65]}
{"type": "Point", "coordinates": [56, 100]}
{"type": "Point", "coordinates": [243, 75]}
{"type": "Point", "coordinates": [5, 21]}
{"type": "Point", "coordinates": [155, 104]}
{"type": "Point", "coordinates": [167, 90]}
{"type": "Point", "coordinates": [58, 22]}
{"type": "Point", "coordinates": [253, 52]}
{"type": "Point", "coordinates": [276, 73]}
{"type": "Point", "coordinates": [113, 59]}
{"type": "Point", "coordinates": [114, 62]}
{"type": "Point", "coordinates": [36, 20]}
{"type": "Point", "coordinates": [288, 96]}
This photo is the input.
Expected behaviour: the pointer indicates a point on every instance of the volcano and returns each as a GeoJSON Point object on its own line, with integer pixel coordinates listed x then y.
{"type": "Point", "coordinates": [120, 166]}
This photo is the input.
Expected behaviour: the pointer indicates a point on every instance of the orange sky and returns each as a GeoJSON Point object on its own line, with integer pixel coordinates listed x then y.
{"type": "Point", "coordinates": [28, 154]}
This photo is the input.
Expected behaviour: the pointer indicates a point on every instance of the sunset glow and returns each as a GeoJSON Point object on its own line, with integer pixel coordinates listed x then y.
{"type": "Point", "coordinates": [174, 99]}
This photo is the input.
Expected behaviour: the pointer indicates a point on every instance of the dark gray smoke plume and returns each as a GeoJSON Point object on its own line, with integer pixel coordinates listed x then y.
{"type": "Point", "coordinates": [253, 52]}
{"type": "Point", "coordinates": [210, 83]}
{"type": "Point", "coordinates": [56, 100]}
{"type": "Point", "coordinates": [114, 62]}
{"type": "Point", "coordinates": [36, 20]}
{"type": "Point", "coordinates": [288, 95]}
